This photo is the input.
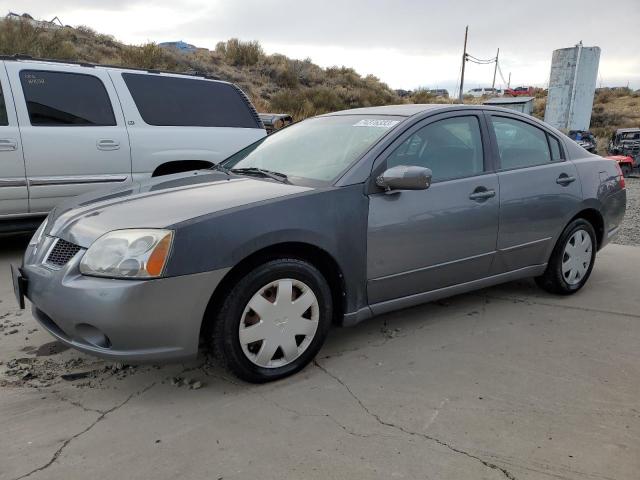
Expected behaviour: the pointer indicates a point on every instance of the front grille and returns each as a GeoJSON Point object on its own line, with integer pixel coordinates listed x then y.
{"type": "Point", "coordinates": [61, 253]}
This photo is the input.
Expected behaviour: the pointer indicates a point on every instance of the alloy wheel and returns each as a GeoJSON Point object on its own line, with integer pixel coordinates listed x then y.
{"type": "Point", "coordinates": [279, 323]}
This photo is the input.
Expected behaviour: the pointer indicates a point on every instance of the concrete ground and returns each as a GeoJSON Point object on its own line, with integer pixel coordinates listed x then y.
{"type": "Point", "coordinates": [508, 382]}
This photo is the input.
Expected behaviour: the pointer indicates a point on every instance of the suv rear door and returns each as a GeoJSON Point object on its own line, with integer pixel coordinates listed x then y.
{"type": "Point", "coordinates": [14, 197]}
{"type": "Point", "coordinates": [73, 132]}
{"type": "Point", "coordinates": [174, 118]}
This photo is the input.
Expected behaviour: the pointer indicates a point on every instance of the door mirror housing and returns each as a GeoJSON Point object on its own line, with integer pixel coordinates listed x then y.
{"type": "Point", "coordinates": [405, 177]}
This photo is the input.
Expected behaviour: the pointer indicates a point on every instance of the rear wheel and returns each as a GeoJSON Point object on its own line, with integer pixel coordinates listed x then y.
{"type": "Point", "coordinates": [626, 170]}
{"type": "Point", "coordinates": [273, 321]}
{"type": "Point", "coordinates": [572, 259]}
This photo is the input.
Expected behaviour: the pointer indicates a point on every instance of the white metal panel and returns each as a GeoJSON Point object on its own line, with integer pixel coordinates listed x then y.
{"type": "Point", "coordinates": [14, 195]}
{"type": "Point", "coordinates": [572, 84]}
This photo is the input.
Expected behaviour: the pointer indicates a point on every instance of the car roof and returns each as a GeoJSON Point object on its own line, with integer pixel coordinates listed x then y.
{"type": "Point", "coordinates": [411, 109]}
{"type": "Point", "coordinates": [405, 110]}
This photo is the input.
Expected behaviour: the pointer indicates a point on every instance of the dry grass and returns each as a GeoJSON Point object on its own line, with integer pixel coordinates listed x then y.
{"type": "Point", "coordinates": [613, 109]}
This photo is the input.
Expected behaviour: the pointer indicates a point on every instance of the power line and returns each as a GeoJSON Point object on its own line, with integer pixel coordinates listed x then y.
{"type": "Point", "coordinates": [471, 58]}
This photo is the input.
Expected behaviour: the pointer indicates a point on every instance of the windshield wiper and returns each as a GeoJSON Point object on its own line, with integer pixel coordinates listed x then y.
{"type": "Point", "coordinates": [280, 177]}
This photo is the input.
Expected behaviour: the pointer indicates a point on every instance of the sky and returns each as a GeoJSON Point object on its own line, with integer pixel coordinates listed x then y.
{"type": "Point", "coordinates": [406, 43]}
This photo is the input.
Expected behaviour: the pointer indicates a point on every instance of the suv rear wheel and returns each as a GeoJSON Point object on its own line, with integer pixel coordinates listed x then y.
{"type": "Point", "coordinates": [273, 321]}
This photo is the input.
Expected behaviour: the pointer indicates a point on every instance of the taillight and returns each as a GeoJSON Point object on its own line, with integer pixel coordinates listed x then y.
{"type": "Point", "coordinates": [621, 181]}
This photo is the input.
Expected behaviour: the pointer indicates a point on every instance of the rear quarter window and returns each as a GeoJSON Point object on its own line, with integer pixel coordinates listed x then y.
{"type": "Point", "coordinates": [173, 101]}
{"type": "Point", "coordinates": [556, 152]}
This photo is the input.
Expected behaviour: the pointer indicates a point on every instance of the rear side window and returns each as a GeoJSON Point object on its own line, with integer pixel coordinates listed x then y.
{"type": "Point", "coordinates": [173, 101]}
{"type": "Point", "coordinates": [66, 99]}
{"type": "Point", "coordinates": [3, 110]}
{"type": "Point", "coordinates": [520, 144]}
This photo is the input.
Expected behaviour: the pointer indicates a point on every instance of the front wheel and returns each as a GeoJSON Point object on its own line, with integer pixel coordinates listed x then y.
{"type": "Point", "coordinates": [273, 321]}
{"type": "Point", "coordinates": [571, 261]}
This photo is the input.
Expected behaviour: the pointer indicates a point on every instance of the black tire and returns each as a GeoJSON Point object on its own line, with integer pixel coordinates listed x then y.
{"type": "Point", "coordinates": [626, 170]}
{"type": "Point", "coordinates": [552, 280]}
{"type": "Point", "coordinates": [225, 340]}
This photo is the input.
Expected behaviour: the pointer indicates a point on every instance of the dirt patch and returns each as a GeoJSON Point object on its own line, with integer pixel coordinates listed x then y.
{"type": "Point", "coordinates": [37, 372]}
{"type": "Point", "coordinates": [48, 349]}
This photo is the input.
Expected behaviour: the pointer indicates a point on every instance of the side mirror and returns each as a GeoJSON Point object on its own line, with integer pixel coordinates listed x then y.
{"type": "Point", "coordinates": [405, 177]}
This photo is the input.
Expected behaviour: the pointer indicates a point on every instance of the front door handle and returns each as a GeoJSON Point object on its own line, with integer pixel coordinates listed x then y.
{"type": "Point", "coordinates": [565, 179]}
{"type": "Point", "coordinates": [107, 144]}
{"type": "Point", "coordinates": [482, 193]}
{"type": "Point", "coordinates": [8, 145]}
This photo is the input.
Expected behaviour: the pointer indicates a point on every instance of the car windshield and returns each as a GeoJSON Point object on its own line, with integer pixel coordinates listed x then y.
{"type": "Point", "coordinates": [317, 149]}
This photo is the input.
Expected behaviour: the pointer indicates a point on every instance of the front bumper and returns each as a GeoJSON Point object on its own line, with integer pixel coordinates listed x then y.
{"type": "Point", "coordinates": [122, 320]}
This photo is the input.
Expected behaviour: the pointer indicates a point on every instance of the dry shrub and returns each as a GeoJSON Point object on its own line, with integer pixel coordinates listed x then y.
{"type": "Point", "coordinates": [20, 37]}
{"type": "Point", "coordinates": [240, 53]}
{"type": "Point", "coordinates": [148, 56]}
{"type": "Point", "coordinates": [539, 106]}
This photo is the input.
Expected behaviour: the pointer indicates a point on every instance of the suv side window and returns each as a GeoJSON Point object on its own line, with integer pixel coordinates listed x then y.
{"type": "Point", "coordinates": [520, 144]}
{"type": "Point", "coordinates": [451, 148]}
{"type": "Point", "coordinates": [173, 101]}
{"type": "Point", "coordinates": [66, 99]}
{"type": "Point", "coordinates": [4, 121]}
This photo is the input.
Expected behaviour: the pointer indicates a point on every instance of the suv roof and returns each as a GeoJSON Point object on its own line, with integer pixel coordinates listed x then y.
{"type": "Point", "coordinates": [27, 58]}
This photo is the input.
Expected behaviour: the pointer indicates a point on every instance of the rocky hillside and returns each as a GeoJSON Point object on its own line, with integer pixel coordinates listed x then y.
{"type": "Point", "coordinates": [274, 82]}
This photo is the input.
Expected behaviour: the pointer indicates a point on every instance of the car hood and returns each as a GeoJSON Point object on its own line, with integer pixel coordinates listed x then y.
{"type": "Point", "coordinates": [159, 203]}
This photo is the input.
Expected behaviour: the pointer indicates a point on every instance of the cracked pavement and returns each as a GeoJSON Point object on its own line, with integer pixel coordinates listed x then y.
{"type": "Point", "coordinates": [505, 383]}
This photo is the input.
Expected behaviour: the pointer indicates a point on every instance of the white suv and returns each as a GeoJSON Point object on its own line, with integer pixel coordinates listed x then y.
{"type": "Point", "coordinates": [480, 92]}
{"type": "Point", "coordinates": [68, 128]}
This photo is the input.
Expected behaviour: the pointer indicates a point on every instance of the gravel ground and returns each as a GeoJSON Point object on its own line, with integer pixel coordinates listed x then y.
{"type": "Point", "coordinates": [630, 231]}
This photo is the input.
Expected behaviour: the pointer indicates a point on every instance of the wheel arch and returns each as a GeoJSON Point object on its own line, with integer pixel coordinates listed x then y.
{"type": "Point", "coordinates": [595, 218]}
{"type": "Point", "coordinates": [316, 256]}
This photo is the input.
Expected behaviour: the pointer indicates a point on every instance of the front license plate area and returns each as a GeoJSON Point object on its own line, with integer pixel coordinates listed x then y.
{"type": "Point", "coordinates": [19, 285]}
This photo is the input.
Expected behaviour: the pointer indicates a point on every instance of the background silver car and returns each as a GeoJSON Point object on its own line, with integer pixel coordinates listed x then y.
{"type": "Point", "coordinates": [333, 219]}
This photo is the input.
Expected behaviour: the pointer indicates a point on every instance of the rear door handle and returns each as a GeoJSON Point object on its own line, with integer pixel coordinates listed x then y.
{"type": "Point", "coordinates": [481, 193]}
{"type": "Point", "coordinates": [108, 144]}
{"type": "Point", "coordinates": [8, 145]}
{"type": "Point", "coordinates": [565, 180]}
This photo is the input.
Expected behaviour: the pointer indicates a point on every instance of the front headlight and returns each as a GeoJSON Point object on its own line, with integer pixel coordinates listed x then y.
{"type": "Point", "coordinates": [139, 253]}
{"type": "Point", "coordinates": [35, 240]}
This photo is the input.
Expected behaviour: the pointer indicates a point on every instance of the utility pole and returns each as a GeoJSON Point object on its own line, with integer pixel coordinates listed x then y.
{"type": "Point", "coordinates": [495, 70]}
{"type": "Point", "coordinates": [509, 82]}
{"type": "Point", "coordinates": [464, 60]}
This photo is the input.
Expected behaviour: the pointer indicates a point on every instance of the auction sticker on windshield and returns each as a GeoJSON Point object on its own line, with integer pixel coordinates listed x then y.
{"type": "Point", "coordinates": [370, 122]}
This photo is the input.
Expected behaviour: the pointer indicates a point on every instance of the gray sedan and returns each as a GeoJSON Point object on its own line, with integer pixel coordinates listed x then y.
{"type": "Point", "coordinates": [332, 220]}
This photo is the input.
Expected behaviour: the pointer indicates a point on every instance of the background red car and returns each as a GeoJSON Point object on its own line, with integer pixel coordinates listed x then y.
{"type": "Point", "coordinates": [519, 92]}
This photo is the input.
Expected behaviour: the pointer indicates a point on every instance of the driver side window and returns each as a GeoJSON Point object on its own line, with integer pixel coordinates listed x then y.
{"type": "Point", "coordinates": [451, 148]}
